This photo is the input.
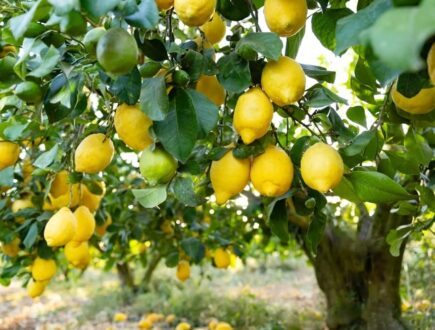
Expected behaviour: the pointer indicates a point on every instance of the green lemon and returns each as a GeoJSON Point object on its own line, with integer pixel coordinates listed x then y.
{"type": "Point", "coordinates": [29, 92]}
{"type": "Point", "coordinates": [117, 51]}
{"type": "Point", "coordinates": [91, 40]}
{"type": "Point", "coordinates": [157, 166]}
{"type": "Point", "coordinates": [149, 69]}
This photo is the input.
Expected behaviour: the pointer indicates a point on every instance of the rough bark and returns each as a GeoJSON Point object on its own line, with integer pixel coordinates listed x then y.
{"type": "Point", "coordinates": [150, 270]}
{"type": "Point", "coordinates": [126, 276]}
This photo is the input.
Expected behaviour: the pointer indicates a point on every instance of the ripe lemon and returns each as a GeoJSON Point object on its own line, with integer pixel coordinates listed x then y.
{"type": "Point", "coordinates": [431, 64]}
{"type": "Point", "coordinates": [91, 39]}
{"type": "Point", "coordinates": [253, 115]}
{"type": "Point", "coordinates": [183, 326]}
{"type": "Point", "coordinates": [61, 228]}
{"type": "Point", "coordinates": [229, 176]}
{"type": "Point", "coordinates": [157, 166]}
{"type": "Point", "coordinates": [7, 50]}
{"type": "Point", "coordinates": [210, 87]}
{"type": "Point", "coordinates": [90, 200]}
{"type": "Point", "coordinates": [117, 51]}
{"type": "Point", "coordinates": [272, 172]}
{"type": "Point", "coordinates": [321, 167]}
{"type": "Point", "coordinates": [283, 81]}
{"type": "Point", "coordinates": [164, 4]}
{"type": "Point", "coordinates": [11, 249]}
{"type": "Point", "coordinates": [77, 254]}
{"type": "Point", "coordinates": [145, 324]}
{"type": "Point", "coordinates": [155, 317]}
{"type": "Point", "coordinates": [94, 154]}
{"type": "Point", "coordinates": [214, 30]}
{"type": "Point", "coordinates": [9, 154]}
{"type": "Point", "coordinates": [194, 12]}
{"type": "Point", "coordinates": [212, 324]}
{"type": "Point", "coordinates": [21, 204]}
{"type": "Point", "coordinates": [60, 185]}
{"type": "Point", "coordinates": [132, 126]}
{"type": "Point", "coordinates": [284, 17]}
{"type": "Point", "coordinates": [62, 193]}
{"type": "Point", "coordinates": [423, 102]}
{"type": "Point", "coordinates": [183, 270]}
{"type": "Point", "coordinates": [223, 326]}
{"type": "Point", "coordinates": [120, 317]}
{"type": "Point", "coordinates": [170, 318]}
{"type": "Point", "coordinates": [85, 224]}
{"type": "Point", "coordinates": [222, 258]}
{"type": "Point", "coordinates": [36, 288]}
{"type": "Point", "coordinates": [43, 269]}
{"type": "Point", "coordinates": [101, 230]}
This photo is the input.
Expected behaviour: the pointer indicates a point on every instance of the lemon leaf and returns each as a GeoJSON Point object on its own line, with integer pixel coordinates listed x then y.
{"type": "Point", "coordinates": [150, 197]}
{"type": "Point", "coordinates": [267, 44]}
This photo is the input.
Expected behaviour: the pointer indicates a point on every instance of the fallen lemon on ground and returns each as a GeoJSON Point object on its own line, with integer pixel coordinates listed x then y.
{"type": "Point", "coordinates": [223, 326]}
{"type": "Point", "coordinates": [120, 317]}
{"type": "Point", "coordinates": [94, 154]}
{"type": "Point", "coordinates": [183, 326]}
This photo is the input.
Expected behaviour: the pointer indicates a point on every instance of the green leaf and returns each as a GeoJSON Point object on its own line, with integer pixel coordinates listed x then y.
{"type": "Point", "coordinates": [399, 45]}
{"type": "Point", "coordinates": [193, 63]}
{"type": "Point", "coordinates": [350, 27]}
{"type": "Point", "coordinates": [395, 239]}
{"type": "Point", "coordinates": [403, 161]}
{"type": "Point", "coordinates": [278, 219]}
{"type": "Point", "coordinates": [376, 187]}
{"type": "Point", "coordinates": [267, 44]}
{"type": "Point", "coordinates": [154, 101]}
{"type": "Point", "coordinates": [99, 8]}
{"type": "Point", "coordinates": [358, 115]}
{"type": "Point", "coordinates": [359, 144]}
{"type": "Point", "coordinates": [48, 62]}
{"type": "Point", "coordinates": [150, 197]}
{"type": "Point", "coordinates": [427, 197]}
{"type": "Point", "coordinates": [299, 147]}
{"type": "Point", "coordinates": [185, 193]}
{"type": "Point", "coordinates": [19, 24]}
{"type": "Point", "coordinates": [127, 87]}
{"type": "Point", "coordinates": [46, 158]}
{"type": "Point", "coordinates": [243, 151]}
{"type": "Point", "coordinates": [418, 147]}
{"type": "Point", "coordinates": [346, 190]}
{"type": "Point", "coordinates": [207, 112]}
{"type": "Point", "coordinates": [319, 96]}
{"type": "Point", "coordinates": [7, 177]}
{"type": "Point", "coordinates": [193, 248]}
{"type": "Point", "coordinates": [31, 236]}
{"type": "Point", "coordinates": [410, 84]}
{"type": "Point", "coordinates": [171, 259]}
{"type": "Point", "coordinates": [234, 73]}
{"type": "Point", "coordinates": [294, 43]}
{"type": "Point", "coordinates": [324, 25]}
{"type": "Point", "coordinates": [146, 17]}
{"type": "Point", "coordinates": [14, 131]}
{"type": "Point", "coordinates": [315, 231]}
{"type": "Point", "coordinates": [154, 49]}
{"type": "Point", "coordinates": [319, 73]}
{"type": "Point", "coordinates": [179, 131]}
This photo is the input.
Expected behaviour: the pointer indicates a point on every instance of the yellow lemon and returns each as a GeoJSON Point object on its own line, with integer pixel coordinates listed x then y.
{"type": "Point", "coordinates": [101, 230]}
{"type": "Point", "coordinates": [132, 126]}
{"type": "Point", "coordinates": [5, 50]}
{"type": "Point", "coordinates": [229, 176]}
{"type": "Point", "coordinates": [272, 172]}
{"type": "Point", "coordinates": [423, 102]}
{"type": "Point", "coordinates": [170, 318]}
{"type": "Point", "coordinates": [164, 4]}
{"type": "Point", "coordinates": [43, 269]}
{"type": "Point", "coordinates": [223, 326]}
{"type": "Point", "coordinates": [145, 324]}
{"type": "Point", "coordinates": [212, 324]}
{"type": "Point", "coordinates": [321, 167]}
{"type": "Point", "coordinates": [62, 193]}
{"type": "Point", "coordinates": [253, 115]}
{"type": "Point", "coordinates": [183, 270]}
{"type": "Point", "coordinates": [120, 317]}
{"type": "Point", "coordinates": [11, 249]}
{"type": "Point", "coordinates": [85, 224]}
{"type": "Point", "coordinates": [77, 254]}
{"type": "Point", "coordinates": [60, 185]}
{"type": "Point", "coordinates": [283, 81]}
{"type": "Point", "coordinates": [166, 227]}
{"type": "Point", "coordinates": [210, 87]}
{"type": "Point", "coordinates": [222, 258]}
{"type": "Point", "coordinates": [183, 326]}
{"type": "Point", "coordinates": [203, 44]}
{"type": "Point", "coordinates": [285, 17]}
{"type": "Point", "coordinates": [431, 64]}
{"type": "Point", "coordinates": [155, 317]}
{"type": "Point", "coordinates": [36, 288]}
{"type": "Point", "coordinates": [194, 12]}
{"type": "Point", "coordinates": [21, 204]}
{"type": "Point", "coordinates": [214, 30]}
{"type": "Point", "coordinates": [9, 154]}
{"type": "Point", "coordinates": [90, 200]}
{"type": "Point", "coordinates": [61, 228]}
{"type": "Point", "coordinates": [94, 154]}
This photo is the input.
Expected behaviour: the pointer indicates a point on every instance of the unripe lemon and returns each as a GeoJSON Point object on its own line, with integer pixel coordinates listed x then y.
{"type": "Point", "coordinates": [91, 39]}
{"type": "Point", "coordinates": [61, 228]}
{"type": "Point", "coordinates": [166, 227]}
{"type": "Point", "coordinates": [253, 115]}
{"type": "Point", "coordinates": [222, 258]}
{"type": "Point", "coordinates": [229, 176]}
{"type": "Point", "coordinates": [90, 200]}
{"type": "Point", "coordinates": [120, 317]}
{"type": "Point", "coordinates": [183, 326]}
{"type": "Point", "coordinates": [285, 17]}
{"type": "Point", "coordinates": [11, 249]}
{"type": "Point", "coordinates": [210, 87]}
{"type": "Point", "coordinates": [9, 154]}
{"type": "Point", "coordinates": [21, 204]}
{"type": "Point", "coordinates": [164, 4]}
{"type": "Point", "coordinates": [283, 81]}
{"type": "Point", "coordinates": [36, 288]}
{"type": "Point", "coordinates": [157, 166]}
{"type": "Point", "coordinates": [223, 326]}
{"type": "Point", "coordinates": [214, 30]}
{"type": "Point", "coordinates": [321, 167]}
{"type": "Point", "coordinates": [431, 64]}
{"type": "Point", "coordinates": [183, 270]}
{"type": "Point", "coordinates": [94, 154]}
{"type": "Point", "coordinates": [85, 224]}
{"type": "Point", "coordinates": [132, 126]}
{"type": "Point", "coordinates": [77, 254]}
{"type": "Point", "coordinates": [101, 230]}
{"type": "Point", "coordinates": [272, 172]}
{"type": "Point", "coordinates": [43, 269]}
{"type": "Point", "coordinates": [423, 102]}
{"type": "Point", "coordinates": [194, 12]}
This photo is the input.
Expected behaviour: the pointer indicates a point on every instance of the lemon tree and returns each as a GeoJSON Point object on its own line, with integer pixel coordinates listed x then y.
{"type": "Point", "coordinates": [189, 133]}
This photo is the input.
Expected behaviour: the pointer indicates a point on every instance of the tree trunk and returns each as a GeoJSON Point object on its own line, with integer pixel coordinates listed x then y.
{"type": "Point", "coordinates": [150, 270]}
{"type": "Point", "coordinates": [359, 276]}
{"type": "Point", "coordinates": [125, 276]}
